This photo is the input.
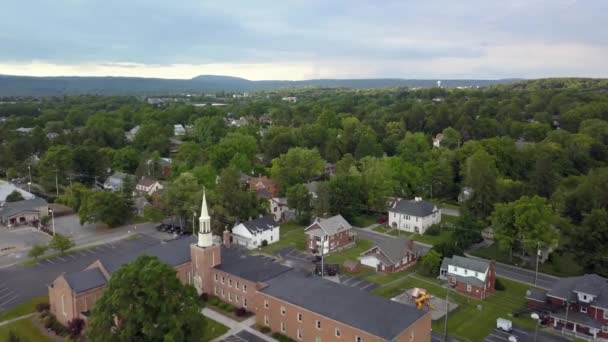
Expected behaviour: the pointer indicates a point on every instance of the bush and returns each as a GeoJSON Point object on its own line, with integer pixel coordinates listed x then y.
{"type": "Point", "coordinates": [75, 327]}
{"type": "Point", "coordinates": [204, 297]}
{"type": "Point", "coordinates": [264, 243]}
{"type": "Point", "coordinates": [282, 338]}
{"type": "Point", "coordinates": [229, 308]}
{"type": "Point", "coordinates": [433, 230]}
{"type": "Point", "coordinates": [265, 330]}
{"type": "Point", "coordinates": [41, 307]}
{"type": "Point", "coordinates": [499, 286]}
{"type": "Point", "coordinates": [240, 312]}
{"type": "Point", "coordinates": [43, 314]}
{"type": "Point", "coordinates": [47, 321]}
{"type": "Point", "coordinates": [214, 301]}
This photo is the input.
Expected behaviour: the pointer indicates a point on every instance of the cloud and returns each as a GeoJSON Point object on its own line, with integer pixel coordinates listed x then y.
{"type": "Point", "coordinates": [305, 38]}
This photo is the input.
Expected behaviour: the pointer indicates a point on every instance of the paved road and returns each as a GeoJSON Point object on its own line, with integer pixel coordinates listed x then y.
{"type": "Point", "coordinates": [376, 237]}
{"type": "Point", "coordinates": [521, 275]}
{"type": "Point", "coordinates": [450, 212]}
{"type": "Point", "coordinates": [21, 283]}
{"type": "Point", "coordinates": [523, 335]}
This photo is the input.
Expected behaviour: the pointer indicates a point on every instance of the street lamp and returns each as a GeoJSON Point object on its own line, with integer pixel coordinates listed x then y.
{"type": "Point", "coordinates": [29, 186]}
{"type": "Point", "coordinates": [535, 317]}
{"type": "Point", "coordinates": [52, 220]}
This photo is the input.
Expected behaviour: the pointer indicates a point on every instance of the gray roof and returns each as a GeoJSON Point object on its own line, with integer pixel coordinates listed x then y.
{"type": "Point", "coordinates": [260, 224]}
{"type": "Point", "coordinates": [329, 226]}
{"type": "Point", "coordinates": [85, 280]}
{"type": "Point", "coordinates": [537, 295]}
{"type": "Point", "coordinates": [6, 188]}
{"type": "Point", "coordinates": [413, 207]}
{"type": "Point", "coordinates": [393, 249]}
{"type": "Point", "coordinates": [591, 284]}
{"type": "Point", "coordinates": [469, 263]}
{"type": "Point", "coordinates": [12, 208]}
{"type": "Point", "coordinates": [253, 268]}
{"type": "Point", "coordinates": [349, 305]}
{"type": "Point", "coordinates": [115, 180]}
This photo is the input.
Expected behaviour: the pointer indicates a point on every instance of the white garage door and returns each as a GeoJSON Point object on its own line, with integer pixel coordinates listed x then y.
{"type": "Point", "coordinates": [370, 261]}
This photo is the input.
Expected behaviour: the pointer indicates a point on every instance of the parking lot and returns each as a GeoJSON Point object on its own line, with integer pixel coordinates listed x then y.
{"type": "Point", "coordinates": [21, 283]}
{"type": "Point", "coordinates": [356, 282]}
{"type": "Point", "coordinates": [523, 335]}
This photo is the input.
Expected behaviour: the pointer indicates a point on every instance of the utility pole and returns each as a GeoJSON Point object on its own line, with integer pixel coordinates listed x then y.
{"type": "Point", "coordinates": [57, 182]}
{"type": "Point", "coordinates": [537, 259]}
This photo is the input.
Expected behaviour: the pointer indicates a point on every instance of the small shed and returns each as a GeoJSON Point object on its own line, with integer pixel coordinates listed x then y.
{"type": "Point", "coordinates": [352, 266]}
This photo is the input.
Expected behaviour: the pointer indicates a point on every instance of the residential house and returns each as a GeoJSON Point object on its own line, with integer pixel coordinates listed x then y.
{"type": "Point", "coordinates": [160, 167]}
{"type": "Point", "coordinates": [263, 186]}
{"type": "Point", "coordinates": [334, 234]}
{"type": "Point", "coordinates": [130, 134]}
{"type": "Point", "coordinates": [313, 189]}
{"type": "Point", "coordinates": [575, 305]}
{"type": "Point", "coordinates": [24, 130]}
{"type": "Point", "coordinates": [280, 210]}
{"type": "Point", "coordinates": [148, 186]}
{"type": "Point", "coordinates": [290, 99]}
{"type": "Point", "coordinates": [437, 140]}
{"type": "Point", "coordinates": [301, 306]}
{"type": "Point", "coordinates": [413, 215]}
{"type": "Point", "coordinates": [253, 233]}
{"type": "Point", "coordinates": [391, 255]}
{"type": "Point", "coordinates": [469, 276]}
{"type": "Point", "coordinates": [7, 188]}
{"type": "Point", "coordinates": [115, 182]}
{"type": "Point", "coordinates": [28, 211]}
{"type": "Point", "coordinates": [465, 194]}
{"type": "Point", "coordinates": [52, 135]}
{"type": "Point", "coordinates": [179, 130]}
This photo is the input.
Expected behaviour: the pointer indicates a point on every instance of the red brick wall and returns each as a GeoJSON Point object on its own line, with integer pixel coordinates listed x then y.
{"type": "Point", "coordinates": [61, 300]}
{"type": "Point", "coordinates": [476, 291]}
{"type": "Point", "coordinates": [336, 241]}
{"type": "Point", "coordinates": [203, 261]}
{"type": "Point", "coordinates": [246, 290]}
{"type": "Point", "coordinates": [491, 278]}
{"type": "Point", "coordinates": [420, 330]}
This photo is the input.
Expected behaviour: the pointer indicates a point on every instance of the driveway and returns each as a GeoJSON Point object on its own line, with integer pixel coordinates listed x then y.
{"type": "Point", "coordinates": [296, 259]}
{"type": "Point", "coordinates": [21, 283]}
{"type": "Point", "coordinates": [450, 212]}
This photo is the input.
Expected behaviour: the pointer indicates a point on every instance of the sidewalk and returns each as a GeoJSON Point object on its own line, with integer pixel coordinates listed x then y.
{"type": "Point", "coordinates": [234, 326]}
{"type": "Point", "coordinates": [16, 319]}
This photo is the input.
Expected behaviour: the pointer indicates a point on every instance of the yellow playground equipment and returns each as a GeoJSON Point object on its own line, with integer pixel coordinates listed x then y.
{"type": "Point", "coordinates": [421, 298]}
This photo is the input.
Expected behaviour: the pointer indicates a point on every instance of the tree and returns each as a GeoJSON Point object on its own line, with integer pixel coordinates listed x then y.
{"type": "Point", "coordinates": [103, 206]}
{"type": "Point", "coordinates": [378, 182]}
{"type": "Point", "coordinates": [233, 146]}
{"type": "Point", "coordinates": [346, 196]}
{"type": "Point", "coordinates": [451, 138]}
{"type": "Point", "coordinates": [480, 175]}
{"type": "Point", "coordinates": [13, 337]}
{"type": "Point", "coordinates": [73, 195]}
{"type": "Point", "coordinates": [298, 165]}
{"type": "Point", "coordinates": [37, 251]}
{"type": "Point", "coordinates": [145, 301]}
{"type": "Point", "coordinates": [126, 159]}
{"type": "Point", "coordinates": [56, 162]}
{"type": "Point", "coordinates": [61, 243]}
{"type": "Point", "coordinates": [414, 147]}
{"type": "Point", "coordinates": [525, 224]}
{"type": "Point", "coordinates": [430, 263]}
{"type": "Point", "coordinates": [14, 196]}
{"type": "Point", "coordinates": [232, 202]}
{"type": "Point", "coordinates": [299, 199]}
{"type": "Point", "coordinates": [592, 237]}
{"type": "Point", "coordinates": [182, 197]}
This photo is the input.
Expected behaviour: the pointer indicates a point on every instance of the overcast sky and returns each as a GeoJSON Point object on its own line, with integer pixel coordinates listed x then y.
{"type": "Point", "coordinates": [304, 39]}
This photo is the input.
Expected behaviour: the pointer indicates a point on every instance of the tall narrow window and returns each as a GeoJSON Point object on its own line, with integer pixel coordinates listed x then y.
{"type": "Point", "coordinates": [299, 334]}
{"type": "Point", "coordinates": [283, 328]}
{"type": "Point", "coordinates": [266, 322]}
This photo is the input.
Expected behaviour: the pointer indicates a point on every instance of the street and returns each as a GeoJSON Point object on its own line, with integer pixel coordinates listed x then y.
{"type": "Point", "coordinates": [375, 237]}
{"type": "Point", "coordinates": [523, 335]}
{"type": "Point", "coordinates": [521, 275]}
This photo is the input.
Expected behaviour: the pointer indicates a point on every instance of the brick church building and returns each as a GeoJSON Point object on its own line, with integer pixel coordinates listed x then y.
{"type": "Point", "coordinates": [300, 305]}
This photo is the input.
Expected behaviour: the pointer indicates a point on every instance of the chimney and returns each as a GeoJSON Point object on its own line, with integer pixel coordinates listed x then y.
{"type": "Point", "coordinates": [227, 237]}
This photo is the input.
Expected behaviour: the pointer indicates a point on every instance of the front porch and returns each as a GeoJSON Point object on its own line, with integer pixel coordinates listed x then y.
{"type": "Point", "coordinates": [577, 324]}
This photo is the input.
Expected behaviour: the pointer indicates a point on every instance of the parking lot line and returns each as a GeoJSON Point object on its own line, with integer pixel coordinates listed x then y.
{"type": "Point", "coordinates": [4, 290]}
{"type": "Point", "coordinates": [367, 286]}
{"type": "Point", "coordinates": [7, 294]}
{"type": "Point", "coordinates": [71, 256]}
{"type": "Point", "coordinates": [98, 249]}
{"type": "Point", "coordinates": [49, 260]}
{"type": "Point", "coordinates": [81, 253]}
{"type": "Point", "coordinates": [10, 300]}
{"type": "Point", "coordinates": [355, 283]}
{"type": "Point", "coordinates": [88, 251]}
{"type": "Point", "coordinates": [60, 258]}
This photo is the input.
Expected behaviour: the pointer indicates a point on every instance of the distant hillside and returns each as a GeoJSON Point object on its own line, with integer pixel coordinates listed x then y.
{"type": "Point", "coordinates": [50, 86]}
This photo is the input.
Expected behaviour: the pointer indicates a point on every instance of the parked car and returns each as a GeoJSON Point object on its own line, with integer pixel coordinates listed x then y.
{"type": "Point", "coordinates": [504, 325]}
{"type": "Point", "coordinates": [381, 220]}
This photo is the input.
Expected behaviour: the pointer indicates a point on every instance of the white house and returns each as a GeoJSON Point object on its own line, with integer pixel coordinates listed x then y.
{"type": "Point", "coordinates": [437, 140]}
{"type": "Point", "coordinates": [115, 182]}
{"type": "Point", "coordinates": [413, 215]}
{"type": "Point", "coordinates": [7, 188]}
{"type": "Point", "coordinates": [179, 130]}
{"type": "Point", "coordinates": [148, 185]}
{"type": "Point", "coordinates": [279, 209]}
{"type": "Point", "coordinates": [130, 135]}
{"type": "Point", "coordinates": [252, 233]}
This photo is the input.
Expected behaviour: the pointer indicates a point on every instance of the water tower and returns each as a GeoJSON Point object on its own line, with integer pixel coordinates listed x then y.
{"type": "Point", "coordinates": [438, 84]}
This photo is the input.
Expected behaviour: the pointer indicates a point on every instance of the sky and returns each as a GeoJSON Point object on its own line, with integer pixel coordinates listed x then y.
{"type": "Point", "coordinates": [305, 39]}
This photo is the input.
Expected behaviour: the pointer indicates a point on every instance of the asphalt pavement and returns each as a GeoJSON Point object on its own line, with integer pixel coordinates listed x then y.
{"type": "Point", "coordinates": [544, 281]}
{"type": "Point", "coordinates": [523, 335]}
{"type": "Point", "coordinates": [21, 283]}
{"type": "Point", "coordinates": [375, 237]}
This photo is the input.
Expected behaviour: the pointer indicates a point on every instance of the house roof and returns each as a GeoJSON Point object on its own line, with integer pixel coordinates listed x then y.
{"type": "Point", "coordinates": [468, 263]}
{"type": "Point", "coordinates": [349, 305]}
{"type": "Point", "coordinates": [413, 207]}
{"type": "Point", "coordinates": [537, 295]}
{"type": "Point", "coordinates": [12, 208]}
{"type": "Point", "coordinates": [329, 226]}
{"type": "Point", "coordinates": [249, 267]}
{"type": "Point", "coordinates": [85, 280]}
{"type": "Point", "coordinates": [6, 188]}
{"type": "Point", "coordinates": [260, 224]}
{"type": "Point", "coordinates": [591, 284]}
{"type": "Point", "coordinates": [116, 179]}
{"type": "Point", "coordinates": [147, 181]}
{"type": "Point", "coordinates": [393, 249]}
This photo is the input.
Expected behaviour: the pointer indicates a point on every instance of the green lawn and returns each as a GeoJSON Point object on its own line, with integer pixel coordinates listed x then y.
{"type": "Point", "coordinates": [364, 220]}
{"type": "Point", "coordinates": [381, 229]}
{"type": "Point", "coordinates": [352, 253]}
{"type": "Point", "coordinates": [448, 218]}
{"type": "Point", "coordinates": [292, 235]}
{"type": "Point", "coordinates": [382, 279]}
{"type": "Point", "coordinates": [443, 236]}
{"type": "Point", "coordinates": [25, 330]}
{"type": "Point", "coordinates": [564, 265]}
{"type": "Point", "coordinates": [473, 319]}
{"type": "Point", "coordinates": [24, 308]}
{"type": "Point", "coordinates": [213, 330]}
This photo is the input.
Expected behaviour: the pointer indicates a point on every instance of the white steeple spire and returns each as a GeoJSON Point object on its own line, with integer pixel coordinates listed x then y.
{"type": "Point", "coordinates": [205, 238]}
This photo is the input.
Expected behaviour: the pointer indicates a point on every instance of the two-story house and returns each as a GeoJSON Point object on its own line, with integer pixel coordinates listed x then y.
{"type": "Point", "coordinates": [334, 233]}
{"type": "Point", "coordinates": [413, 215]}
{"type": "Point", "coordinates": [115, 182]}
{"type": "Point", "coordinates": [472, 277]}
{"type": "Point", "coordinates": [575, 304]}
{"type": "Point", "coordinates": [280, 210]}
{"type": "Point", "coordinates": [253, 233]}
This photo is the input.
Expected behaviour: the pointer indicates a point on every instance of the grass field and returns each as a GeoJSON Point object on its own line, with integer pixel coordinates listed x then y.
{"type": "Point", "coordinates": [349, 254]}
{"type": "Point", "coordinates": [473, 319]}
{"type": "Point", "coordinates": [24, 308]}
{"type": "Point", "coordinates": [381, 229]}
{"type": "Point", "coordinates": [292, 235]}
{"type": "Point", "coordinates": [25, 330]}
{"type": "Point", "coordinates": [443, 236]}
{"type": "Point", "coordinates": [213, 330]}
{"type": "Point", "coordinates": [364, 220]}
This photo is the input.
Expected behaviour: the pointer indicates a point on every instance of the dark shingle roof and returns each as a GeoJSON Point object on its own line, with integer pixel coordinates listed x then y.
{"type": "Point", "coordinates": [260, 224]}
{"type": "Point", "coordinates": [469, 263]}
{"type": "Point", "coordinates": [591, 284]}
{"type": "Point", "coordinates": [349, 305]}
{"type": "Point", "coordinates": [85, 280]}
{"type": "Point", "coordinates": [249, 267]}
{"type": "Point", "coordinates": [413, 207]}
{"type": "Point", "coordinates": [394, 249]}
{"type": "Point", "coordinates": [12, 208]}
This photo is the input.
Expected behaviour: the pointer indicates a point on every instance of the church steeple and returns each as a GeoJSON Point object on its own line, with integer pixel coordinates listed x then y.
{"type": "Point", "coordinates": [205, 238]}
